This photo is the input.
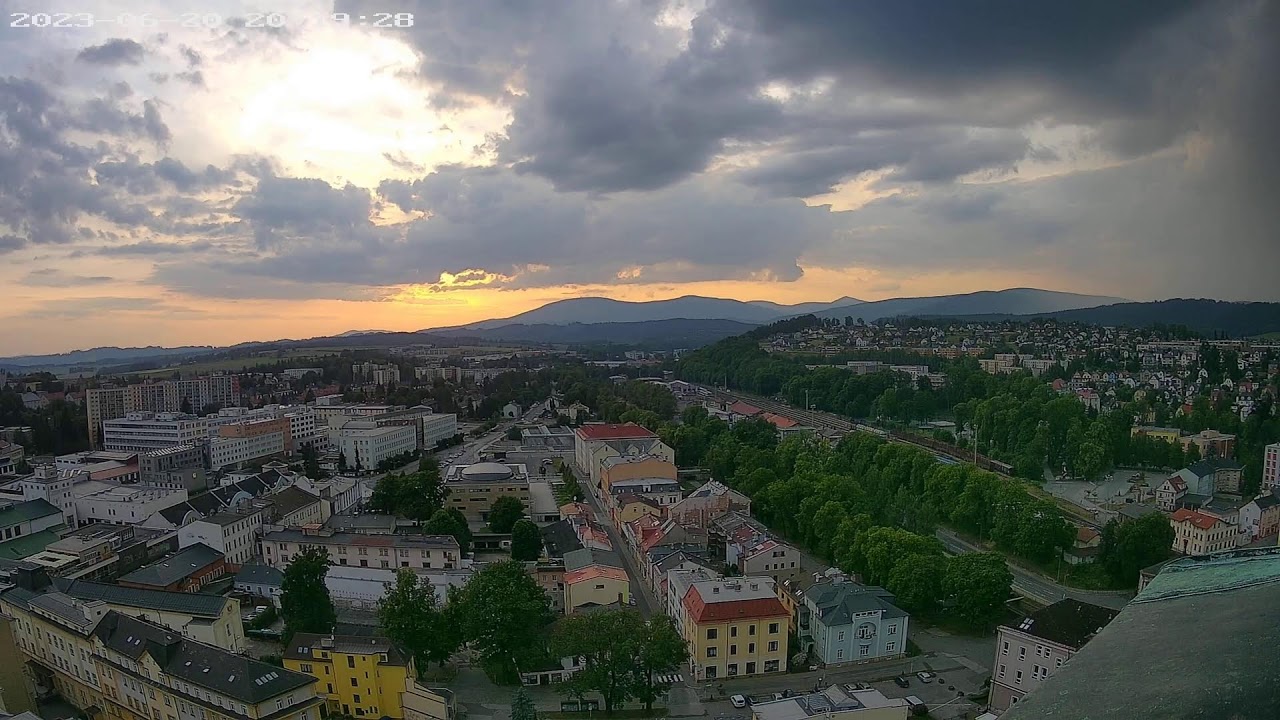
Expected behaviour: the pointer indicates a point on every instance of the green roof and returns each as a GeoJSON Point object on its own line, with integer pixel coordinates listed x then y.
{"type": "Point", "coordinates": [24, 511]}
{"type": "Point", "coordinates": [28, 545]}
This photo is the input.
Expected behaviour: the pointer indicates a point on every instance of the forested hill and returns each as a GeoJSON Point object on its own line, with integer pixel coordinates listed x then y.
{"type": "Point", "coordinates": [1210, 318]}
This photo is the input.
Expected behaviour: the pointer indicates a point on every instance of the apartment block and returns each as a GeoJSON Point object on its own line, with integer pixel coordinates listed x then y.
{"type": "Point", "coordinates": [144, 431]}
{"type": "Point", "coordinates": [419, 552]}
{"type": "Point", "coordinates": [234, 533]}
{"type": "Point", "coordinates": [735, 627]}
{"type": "Point", "coordinates": [1039, 645]}
{"type": "Point", "coordinates": [128, 668]}
{"type": "Point", "coordinates": [361, 676]}
{"type": "Point", "coordinates": [438, 428]}
{"type": "Point", "coordinates": [364, 445]}
{"type": "Point", "coordinates": [244, 446]}
{"type": "Point", "coordinates": [168, 396]}
{"type": "Point", "coordinates": [1271, 467]}
{"type": "Point", "coordinates": [178, 466]}
{"type": "Point", "coordinates": [1200, 533]}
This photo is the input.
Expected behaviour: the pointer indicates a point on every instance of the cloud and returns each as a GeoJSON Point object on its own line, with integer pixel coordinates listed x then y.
{"type": "Point", "coordinates": [117, 51]}
{"type": "Point", "coordinates": [54, 277]}
{"type": "Point", "coordinates": [11, 243]}
{"type": "Point", "coordinates": [67, 308]}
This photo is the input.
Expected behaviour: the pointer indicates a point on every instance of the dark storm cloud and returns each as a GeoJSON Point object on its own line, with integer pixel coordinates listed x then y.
{"type": "Point", "coordinates": [281, 208]}
{"type": "Point", "coordinates": [11, 243]}
{"type": "Point", "coordinates": [117, 51]}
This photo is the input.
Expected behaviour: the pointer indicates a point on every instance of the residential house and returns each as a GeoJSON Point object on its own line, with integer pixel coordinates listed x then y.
{"type": "Point", "coordinates": [1085, 548]}
{"type": "Point", "coordinates": [620, 437]}
{"type": "Point", "coordinates": [1041, 643]}
{"type": "Point", "coordinates": [630, 506]}
{"type": "Point", "coordinates": [262, 581]}
{"type": "Point", "coordinates": [848, 622]}
{"type": "Point", "coordinates": [1260, 517]}
{"type": "Point", "coordinates": [362, 676]}
{"type": "Point", "coordinates": [734, 627]}
{"type": "Point", "coordinates": [618, 468]}
{"type": "Point", "coordinates": [295, 507]}
{"type": "Point", "coordinates": [1211, 444]}
{"type": "Point", "coordinates": [187, 570]}
{"type": "Point", "coordinates": [665, 492]}
{"type": "Point", "coordinates": [707, 503]}
{"type": "Point", "coordinates": [1170, 493]}
{"type": "Point", "coordinates": [594, 578]}
{"type": "Point", "coordinates": [664, 561]}
{"type": "Point", "coordinates": [1200, 533]}
{"type": "Point", "coordinates": [1271, 466]}
{"type": "Point", "coordinates": [1223, 475]}
{"type": "Point", "coordinates": [233, 532]}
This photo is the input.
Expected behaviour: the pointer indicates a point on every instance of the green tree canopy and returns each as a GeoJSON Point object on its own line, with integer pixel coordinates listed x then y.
{"type": "Point", "coordinates": [304, 598]}
{"type": "Point", "coordinates": [522, 706]}
{"type": "Point", "coordinates": [450, 521]}
{"type": "Point", "coordinates": [504, 513]}
{"type": "Point", "coordinates": [503, 614]}
{"type": "Point", "coordinates": [416, 496]}
{"type": "Point", "coordinates": [979, 585]}
{"type": "Point", "coordinates": [526, 540]}
{"type": "Point", "coordinates": [408, 614]}
{"type": "Point", "coordinates": [1129, 546]}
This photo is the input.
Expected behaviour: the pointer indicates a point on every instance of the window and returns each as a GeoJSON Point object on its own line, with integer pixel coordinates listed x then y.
{"type": "Point", "coordinates": [1001, 674]}
{"type": "Point", "coordinates": [711, 672]}
{"type": "Point", "coordinates": [305, 667]}
{"type": "Point", "coordinates": [840, 636]}
{"type": "Point", "coordinates": [751, 648]}
{"type": "Point", "coordinates": [351, 661]}
{"type": "Point", "coordinates": [1058, 662]}
{"type": "Point", "coordinates": [751, 629]}
{"type": "Point", "coordinates": [771, 666]}
{"type": "Point", "coordinates": [354, 683]}
{"type": "Point", "coordinates": [751, 668]}
{"type": "Point", "coordinates": [711, 652]}
{"type": "Point", "coordinates": [1018, 678]}
{"type": "Point", "coordinates": [1022, 653]}
{"type": "Point", "coordinates": [733, 669]}
{"type": "Point", "coordinates": [890, 647]}
{"type": "Point", "coordinates": [712, 633]}
{"type": "Point", "coordinates": [773, 628]}
{"type": "Point", "coordinates": [356, 698]}
{"type": "Point", "coordinates": [733, 631]}
{"type": "Point", "coordinates": [773, 646]}
{"type": "Point", "coordinates": [1004, 650]}
{"type": "Point", "coordinates": [839, 654]}
{"type": "Point", "coordinates": [864, 650]}
{"type": "Point", "coordinates": [329, 687]}
{"type": "Point", "coordinates": [733, 649]}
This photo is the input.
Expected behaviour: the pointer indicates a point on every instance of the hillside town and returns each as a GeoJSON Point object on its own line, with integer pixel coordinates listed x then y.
{"type": "Point", "coordinates": [424, 530]}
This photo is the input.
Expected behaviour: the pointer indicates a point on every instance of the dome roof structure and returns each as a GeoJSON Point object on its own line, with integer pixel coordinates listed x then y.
{"type": "Point", "coordinates": [486, 472]}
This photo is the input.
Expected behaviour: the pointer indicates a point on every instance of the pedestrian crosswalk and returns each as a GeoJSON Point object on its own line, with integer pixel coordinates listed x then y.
{"type": "Point", "coordinates": [670, 679]}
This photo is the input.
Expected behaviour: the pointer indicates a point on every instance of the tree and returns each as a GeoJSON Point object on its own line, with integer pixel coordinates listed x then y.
{"type": "Point", "coordinates": [916, 581]}
{"type": "Point", "coordinates": [526, 540]}
{"type": "Point", "coordinates": [409, 615]}
{"type": "Point", "coordinates": [416, 496]}
{"type": "Point", "coordinates": [310, 462]}
{"type": "Point", "coordinates": [513, 433]}
{"type": "Point", "coordinates": [504, 513]}
{"type": "Point", "coordinates": [304, 599]}
{"type": "Point", "coordinates": [502, 613]}
{"type": "Point", "coordinates": [662, 650]}
{"type": "Point", "coordinates": [1130, 546]}
{"type": "Point", "coordinates": [978, 585]}
{"type": "Point", "coordinates": [342, 461]}
{"type": "Point", "coordinates": [609, 641]}
{"type": "Point", "coordinates": [522, 706]}
{"type": "Point", "coordinates": [450, 521]}
{"type": "Point", "coordinates": [185, 405]}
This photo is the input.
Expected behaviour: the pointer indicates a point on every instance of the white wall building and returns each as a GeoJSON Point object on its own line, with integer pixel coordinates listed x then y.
{"type": "Point", "coordinates": [437, 428]}
{"type": "Point", "coordinates": [122, 505]}
{"type": "Point", "coordinates": [1271, 466]}
{"type": "Point", "coordinates": [142, 431]}
{"type": "Point", "coordinates": [54, 487]}
{"type": "Point", "coordinates": [234, 534]}
{"type": "Point", "coordinates": [227, 451]}
{"type": "Point", "coordinates": [363, 442]}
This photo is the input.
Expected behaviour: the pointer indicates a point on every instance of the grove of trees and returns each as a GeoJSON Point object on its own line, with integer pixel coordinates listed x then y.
{"type": "Point", "coordinates": [304, 599]}
{"type": "Point", "coordinates": [625, 655]}
{"type": "Point", "coordinates": [416, 496]}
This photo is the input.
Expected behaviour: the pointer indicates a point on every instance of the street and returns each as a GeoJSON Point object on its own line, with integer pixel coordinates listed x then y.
{"type": "Point", "coordinates": [1035, 586]}
{"type": "Point", "coordinates": [645, 601]}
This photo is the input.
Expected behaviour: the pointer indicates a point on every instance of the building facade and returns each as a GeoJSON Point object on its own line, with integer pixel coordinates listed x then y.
{"type": "Point", "coordinates": [735, 627]}
{"type": "Point", "coordinates": [1200, 533]}
{"type": "Point", "coordinates": [1271, 466]}
{"type": "Point", "coordinates": [418, 552]}
{"type": "Point", "coordinates": [848, 623]}
{"type": "Point", "coordinates": [474, 488]}
{"type": "Point", "coordinates": [364, 445]}
{"type": "Point", "coordinates": [358, 676]}
{"type": "Point", "coordinates": [144, 431]}
{"type": "Point", "coordinates": [1041, 643]}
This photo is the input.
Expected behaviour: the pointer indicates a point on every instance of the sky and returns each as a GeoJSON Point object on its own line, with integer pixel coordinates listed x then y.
{"type": "Point", "coordinates": [277, 172]}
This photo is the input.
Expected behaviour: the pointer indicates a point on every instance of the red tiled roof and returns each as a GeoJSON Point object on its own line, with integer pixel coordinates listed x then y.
{"type": "Point", "coordinates": [780, 421]}
{"type": "Point", "coordinates": [742, 408]}
{"type": "Point", "coordinates": [613, 431]}
{"type": "Point", "coordinates": [1200, 520]}
{"type": "Point", "coordinates": [1085, 534]}
{"type": "Point", "coordinates": [593, 572]}
{"type": "Point", "coordinates": [732, 609]}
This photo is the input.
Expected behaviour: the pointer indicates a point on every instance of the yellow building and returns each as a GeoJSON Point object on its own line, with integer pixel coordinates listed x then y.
{"type": "Point", "coordinates": [1156, 433]}
{"type": "Point", "coordinates": [615, 468]}
{"type": "Point", "coordinates": [366, 677]}
{"type": "Point", "coordinates": [735, 627]}
{"type": "Point", "coordinates": [131, 669]}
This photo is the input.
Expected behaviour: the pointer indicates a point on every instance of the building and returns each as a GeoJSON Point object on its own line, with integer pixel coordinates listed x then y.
{"type": "Point", "coordinates": [1200, 533]}
{"type": "Point", "coordinates": [1211, 444]}
{"type": "Point", "coordinates": [845, 623]}
{"type": "Point", "coordinates": [1040, 644]}
{"type": "Point", "coordinates": [1085, 549]}
{"type": "Point", "coordinates": [472, 489]}
{"type": "Point", "coordinates": [55, 488]}
{"type": "Point", "coordinates": [1260, 517]}
{"type": "Point", "coordinates": [591, 437]}
{"type": "Point", "coordinates": [835, 703]}
{"type": "Point", "coordinates": [97, 658]}
{"type": "Point", "coordinates": [705, 504]}
{"type": "Point", "coordinates": [261, 581]}
{"type": "Point", "coordinates": [177, 466]}
{"type": "Point", "coordinates": [28, 518]}
{"type": "Point", "coordinates": [734, 627]}
{"type": "Point", "coordinates": [187, 570]}
{"type": "Point", "coordinates": [594, 578]}
{"type": "Point", "coordinates": [438, 428]}
{"type": "Point", "coordinates": [1271, 467]}
{"type": "Point", "coordinates": [364, 445]}
{"type": "Point", "coordinates": [619, 468]}
{"type": "Point", "coordinates": [123, 504]}
{"type": "Point", "coordinates": [143, 431]}
{"type": "Point", "coordinates": [234, 533]}
{"type": "Point", "coordinates": [239, 444]}
{"type": "Point", "coordinates": [361, 588]}
{"type": "Point", "coordinates": [375, 374]}
{"type": "Point", "coordinates": [210, 619]}
{"type": "Point", "coordinates": [1192, 644]}
{"type": "Point", "coordinates": [1166, 434]}
{"type": "Point", "coordinates": [420, 552]}
{"type": "Point", "coordinates": [361, 676]}
{"type": "Point", "coordinates": [11, 456]}
{"type": "Point", "coordinates": [102, 404]}
{"type": "Point", "coordinates": [295, 507]}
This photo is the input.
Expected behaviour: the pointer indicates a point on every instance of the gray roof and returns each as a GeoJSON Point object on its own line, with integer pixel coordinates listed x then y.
{"type": "Point", "coordinates": [195, 604]}
{"type": "Point", "coordinates": [443, 542]}
{"type": "Point", "coordinates": [1212, 465]}
{"type": "Point", "coordinates": [1067, 622]}
{"type": "Point", "coordinates": [303, 644]}
{"type": "Point", "coordinates": [1193, 644]}
{"type": "Point", "coordinates": [560, 539]}
{"type": "Point", "coordinates": [291, 500]}
{"type": "Point", "coordinates": [837, 603]}
{"type": "Point", "coordinates": [246, 680]}
{"type": "Point", "coordinates": [25, 511]}
{"type": "Point", "coordinates": [257, 574]}
{"type": "Point", "coordinates": [174, 568]}
{"type": "Point", "coordinates": [586, 556]}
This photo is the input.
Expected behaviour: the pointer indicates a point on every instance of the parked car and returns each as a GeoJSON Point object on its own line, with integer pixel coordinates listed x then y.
{"type": "Point", "coordinates": [902, 681]}
{"type": "Point", "coordinates": [925, 676]}
{"type": "Point", "coordinates": [738, 701]}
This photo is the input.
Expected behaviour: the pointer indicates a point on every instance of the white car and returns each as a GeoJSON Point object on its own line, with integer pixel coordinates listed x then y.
{"type": "Point", "coordinates": [738, 701]}
{"type": "Point", "coordinates": [924, 676]}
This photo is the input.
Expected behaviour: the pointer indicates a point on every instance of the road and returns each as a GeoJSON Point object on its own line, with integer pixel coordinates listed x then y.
{"type": "Point", "coordinates": [1036, 586]}
{"type": "Point", "coordinates": [645, 601]}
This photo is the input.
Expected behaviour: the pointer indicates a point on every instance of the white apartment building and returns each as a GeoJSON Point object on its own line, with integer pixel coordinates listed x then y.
{"type": "Point", "coordinates": [1271, 467]}
{"type": "Point", "coordinates": [388, 552]}
{"type": "Point", "coordinates": [55, 488]}
{"type": "Point", "coordinates": [1200, 533]}
{"type": "Point", "coordinates": [299, 373]}
{"type": "Point", "coordinates": [168, 396]}
{"type": "Point", "coordinates": [364, 444]}
{"type": "Point", "coordinates": [437, 428]}
{"type": "Point", "coordinates": [234, 534]}
{"type": "Point", "coordinates": [229, 451]}
{"type": "Point", "coordinates": [122, 504]}
{"type": "Point", "coordinates": [102, 404]}
{"type": "Point", "coordinates": [1040, 644]}
{"type": "Point", "coordinates": [375, 373]}
{"type": "Point", "coordinates": [143, 431]}
{"type": "Point", "coordinates": [302, 421]}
